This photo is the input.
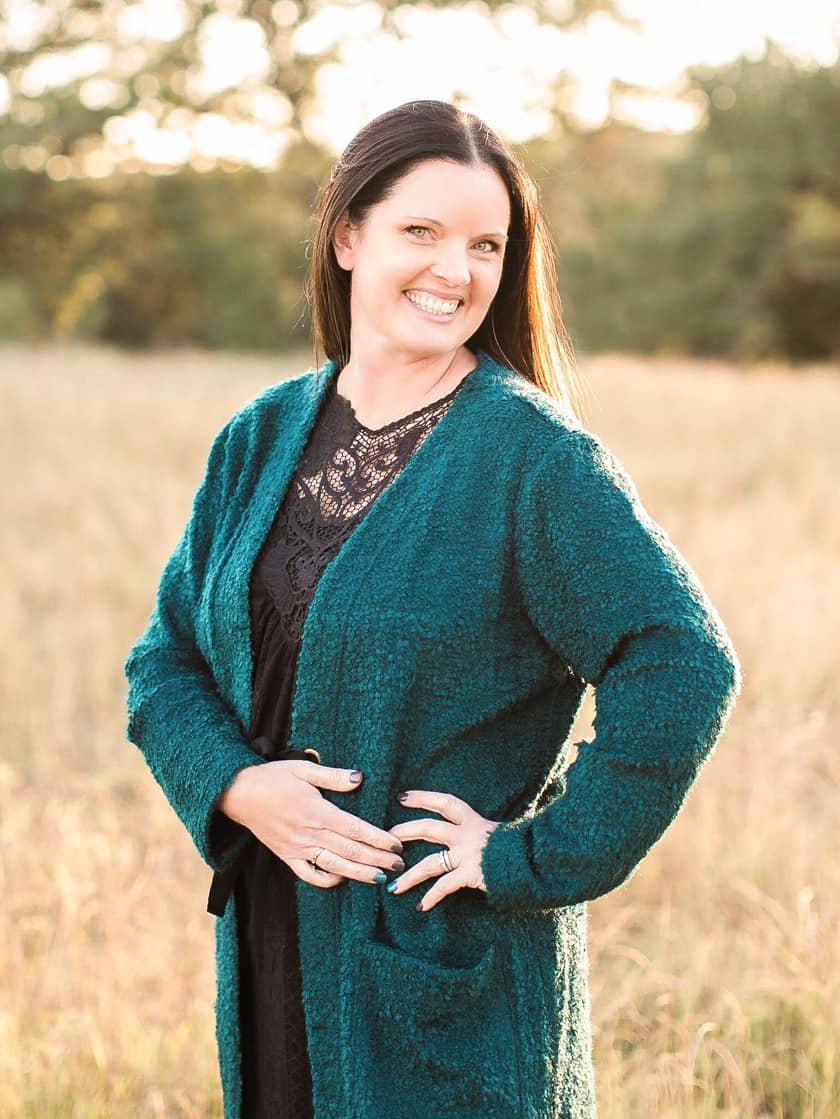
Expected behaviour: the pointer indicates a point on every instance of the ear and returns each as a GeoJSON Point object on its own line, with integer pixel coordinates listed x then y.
{"type": "Point", "coordinates": [343, 240]}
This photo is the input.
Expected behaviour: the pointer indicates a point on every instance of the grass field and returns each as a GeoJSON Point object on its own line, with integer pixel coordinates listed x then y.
{"type": "Point", "coordinates": [715, 971]}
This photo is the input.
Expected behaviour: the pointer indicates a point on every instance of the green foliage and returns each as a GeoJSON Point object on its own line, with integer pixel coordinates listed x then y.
{"type": "Point", "coordinates": [18, 321]}
{"type": "Point", "coordinates": [737, 252]}
{"type": "Point", "coordinates": [725, 241]}
{"type": "Point", "coordinates": [210, 259]}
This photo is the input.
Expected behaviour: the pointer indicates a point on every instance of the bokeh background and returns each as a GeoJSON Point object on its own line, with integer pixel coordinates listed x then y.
{"type": "Point", "coordinates": [159, 161]}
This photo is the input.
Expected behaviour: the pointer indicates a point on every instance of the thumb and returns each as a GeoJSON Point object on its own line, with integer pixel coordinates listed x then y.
{"type": "Point", "coordinates": [328, 777]}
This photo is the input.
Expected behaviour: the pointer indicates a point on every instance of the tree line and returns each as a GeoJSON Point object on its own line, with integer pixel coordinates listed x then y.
{"type": "Point", "coordinates": [722, 241]}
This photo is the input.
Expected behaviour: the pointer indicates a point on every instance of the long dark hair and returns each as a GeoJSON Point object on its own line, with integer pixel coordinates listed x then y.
{"type": "Point", "coordinates": [523, 327]}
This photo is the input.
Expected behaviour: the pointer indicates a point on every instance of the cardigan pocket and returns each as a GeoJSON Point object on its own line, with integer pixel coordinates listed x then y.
{"type": "Point", "coordinates": [446, 1035]}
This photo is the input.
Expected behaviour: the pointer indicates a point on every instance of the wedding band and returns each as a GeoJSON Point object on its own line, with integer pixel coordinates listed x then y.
{"type": "Point", "coordinates": [445, 861]}
{"type": "Point", "coordinates": [314, 860]}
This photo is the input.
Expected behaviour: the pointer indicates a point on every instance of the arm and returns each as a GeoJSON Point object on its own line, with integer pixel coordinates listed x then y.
{"type": "Point", "coordinates": [611, 595]}
{"type": "Point", "coordinates": [191, 739]}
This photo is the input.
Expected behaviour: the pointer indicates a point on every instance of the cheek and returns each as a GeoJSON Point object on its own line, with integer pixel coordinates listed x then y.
{"type": "Point", "coordinates": [497, 280]}
{"type": "Point", "coordinates": [488, 285]}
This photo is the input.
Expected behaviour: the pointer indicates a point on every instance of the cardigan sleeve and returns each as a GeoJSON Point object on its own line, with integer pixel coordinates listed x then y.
{"type": "Point", "coordinates": [191, 739]}
{"type": "Point", "coordinates": [613, 598]}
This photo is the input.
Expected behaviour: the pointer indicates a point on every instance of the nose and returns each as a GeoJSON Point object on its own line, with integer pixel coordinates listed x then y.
{"type": "Point", "coordinates": [452, 266]}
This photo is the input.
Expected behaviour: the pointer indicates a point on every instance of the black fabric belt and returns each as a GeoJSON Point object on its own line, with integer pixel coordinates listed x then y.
{"type": "Point", "coordinates": [224, 880]}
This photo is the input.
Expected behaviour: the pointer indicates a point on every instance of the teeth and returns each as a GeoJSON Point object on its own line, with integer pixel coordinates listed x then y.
{"type": "Point", "coordinates": [429, 303]}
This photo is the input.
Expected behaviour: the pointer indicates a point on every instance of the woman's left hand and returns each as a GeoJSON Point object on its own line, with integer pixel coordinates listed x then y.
{"type": "Point", "coordinates": [462, 831]}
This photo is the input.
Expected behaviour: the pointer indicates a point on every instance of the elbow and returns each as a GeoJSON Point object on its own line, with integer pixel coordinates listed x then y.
{"type": "Point", "coordinates": [709, 690]}
{"type": "Point", "coordinates": [706, 678]}
{"type": "Point", "coordinates": [723, 676]}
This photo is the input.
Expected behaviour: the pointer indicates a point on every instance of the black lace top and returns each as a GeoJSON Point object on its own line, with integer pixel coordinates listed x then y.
{"type": "Point", "coordinates": [342, 470]}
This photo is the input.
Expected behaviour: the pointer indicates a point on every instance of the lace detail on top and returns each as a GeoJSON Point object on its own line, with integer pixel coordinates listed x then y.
{"type": "Point", "coordinates": [344, 468]}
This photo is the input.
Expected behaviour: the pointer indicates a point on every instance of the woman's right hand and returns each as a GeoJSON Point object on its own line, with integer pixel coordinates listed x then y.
{"type": "Point", "coordinates": [280, 804]}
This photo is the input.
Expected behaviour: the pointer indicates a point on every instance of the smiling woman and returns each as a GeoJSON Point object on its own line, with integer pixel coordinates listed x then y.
{"type": "Point", "coordinates": [409, 281]}
{"type": "Point", "coordinates": [373, 640]}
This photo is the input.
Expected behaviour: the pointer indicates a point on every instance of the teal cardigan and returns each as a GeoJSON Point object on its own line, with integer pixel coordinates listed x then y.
{"type": "Point", "coordinates": [447, 647]}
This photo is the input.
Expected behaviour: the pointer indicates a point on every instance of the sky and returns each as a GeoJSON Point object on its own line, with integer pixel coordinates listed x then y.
{"type": "Point", "coordinates": [502, 72]}
{"type": "Point", "coordinates": [507, 71]}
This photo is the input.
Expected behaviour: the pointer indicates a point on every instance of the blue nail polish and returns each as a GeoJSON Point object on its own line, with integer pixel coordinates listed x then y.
{"type": "Point", "coordinates": [380, 876]}
{"type": "Point", "coordinates": [391, 887]}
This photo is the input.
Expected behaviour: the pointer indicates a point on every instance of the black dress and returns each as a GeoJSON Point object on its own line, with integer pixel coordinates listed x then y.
{"type": "Point", "coordinates": [342, 470]}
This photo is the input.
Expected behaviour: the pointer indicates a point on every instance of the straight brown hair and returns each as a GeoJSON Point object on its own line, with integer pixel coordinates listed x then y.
{"type": "Point", "coordinates": [524, 327]}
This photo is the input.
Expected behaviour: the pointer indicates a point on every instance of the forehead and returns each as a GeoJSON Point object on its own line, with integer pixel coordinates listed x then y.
{"type": "Point", "coordinates": [451, 191]}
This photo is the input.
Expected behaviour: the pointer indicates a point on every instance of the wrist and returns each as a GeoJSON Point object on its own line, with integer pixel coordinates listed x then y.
{"type": "Point", "coordinates": [235, 799]}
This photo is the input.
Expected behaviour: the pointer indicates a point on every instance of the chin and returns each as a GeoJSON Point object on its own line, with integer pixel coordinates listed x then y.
{"type": "Point", "coordinates": [422, 347]}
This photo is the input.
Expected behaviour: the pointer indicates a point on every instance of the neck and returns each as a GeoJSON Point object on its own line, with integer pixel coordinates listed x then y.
{"type": "Point", "coordinates": [382, 388]}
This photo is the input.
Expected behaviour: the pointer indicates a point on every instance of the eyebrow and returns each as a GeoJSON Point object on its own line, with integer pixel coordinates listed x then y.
{"type": "Point", "coordinates": [434, 221]}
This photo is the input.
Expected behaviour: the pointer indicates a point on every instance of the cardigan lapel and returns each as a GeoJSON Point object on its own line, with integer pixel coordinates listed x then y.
{"type": "Point", "coordinates": [314, 706]}
{"type": "Point", "coordinates": [319, 651]}
{"type": "Point", "coordinates": [273, 468]}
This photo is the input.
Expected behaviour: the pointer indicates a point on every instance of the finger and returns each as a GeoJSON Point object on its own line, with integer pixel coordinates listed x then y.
{"type": "Point", "coordinates": [357, 829]}
{"type": "Point", "coordinates": [445, 804]}
{"type": "Point", "coordinates": [312, 874]}
{"type": "Point", "coordinates": [447, 884]}
{"type": "Point", "coordinates": [435, 831]}
{"type": "Point", "coordinates": [329, 777]}
{"type": "Point", "coordinates": [362, 854]}
{"type": "Point", "coordinates": [335, 864]}
{"type": "Point", "coordinates": [429, 867]}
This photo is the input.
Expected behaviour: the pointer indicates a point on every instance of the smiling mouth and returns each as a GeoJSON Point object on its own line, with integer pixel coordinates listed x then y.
{"type": "Point", "coordinates": [434, 307]}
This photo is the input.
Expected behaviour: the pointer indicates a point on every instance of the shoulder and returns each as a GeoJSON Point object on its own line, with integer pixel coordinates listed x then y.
{"type": "Point", "coordinates": [270, 411]}
{"type": "Point", "coordinates": [278, 400]}
{"type": "Point", "coordinates": [244, 438]}
{"type": "Point", "coordinates": [553, 443]}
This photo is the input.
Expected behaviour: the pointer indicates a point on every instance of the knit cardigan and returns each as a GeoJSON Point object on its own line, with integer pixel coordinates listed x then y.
{"type": "Point", "coordinates": [447, 647]}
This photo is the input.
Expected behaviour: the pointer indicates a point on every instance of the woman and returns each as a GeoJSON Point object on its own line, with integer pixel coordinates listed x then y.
{"type": "Point", "coordinates": [401, 570]}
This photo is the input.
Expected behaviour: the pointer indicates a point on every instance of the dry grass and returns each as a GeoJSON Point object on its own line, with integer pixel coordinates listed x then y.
{"type": "Point", "coordinates": [714, 971]}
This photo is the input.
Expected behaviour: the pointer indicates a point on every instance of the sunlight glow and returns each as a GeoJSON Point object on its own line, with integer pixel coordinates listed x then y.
{"type": "Point", "coordinates": [233, 52]}
{"type": "Point", "coordinates": [573, 70]}
{"type": "Point", "coordinates": [512, 73]}
{"type": "Point", "coordinates": [163, 20]}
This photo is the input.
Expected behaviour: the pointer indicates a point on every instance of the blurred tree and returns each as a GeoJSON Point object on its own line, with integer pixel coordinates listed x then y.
{"type": "Point", "coordinates": [724, 240]}
{"type": "Point", "coordinates": [72, 69]}
{"type": "Point", "coordinates": [737, 250]}
{"type": "Point", "coordinates": [213, 259]}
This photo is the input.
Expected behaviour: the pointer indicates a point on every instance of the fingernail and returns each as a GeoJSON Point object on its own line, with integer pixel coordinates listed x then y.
{"type": "Point", "coordinates": [401, 796]}
{"type": "Point", "coordinates": [380, 876]}
{"type": "Point", "coordinates": [356, 776]}
{"type": "Point", "coordinates": [397, 847]}
{"type": "Point", "coordinates": [398, 864]}
{"type": "Point", "coordinates": [391, 887]}
{"type": "Point", "coordinates": [419, 907]}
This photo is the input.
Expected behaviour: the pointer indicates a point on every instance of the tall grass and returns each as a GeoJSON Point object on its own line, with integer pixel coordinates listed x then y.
{"type": "Point", "coordinates": [714, 971]}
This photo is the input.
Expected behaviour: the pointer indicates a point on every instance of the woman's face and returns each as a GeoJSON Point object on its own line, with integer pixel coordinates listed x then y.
{"type": "Point", "coordinates": [427, 261]}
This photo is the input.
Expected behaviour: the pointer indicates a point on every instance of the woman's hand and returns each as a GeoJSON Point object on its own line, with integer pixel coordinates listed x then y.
{"type": "Point", "coordinates": [280, 803]}
{"type": "Point", "coordinates": [465, 833]}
